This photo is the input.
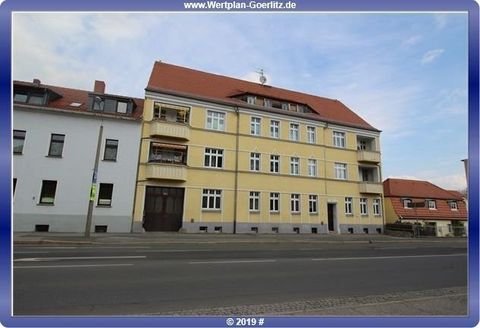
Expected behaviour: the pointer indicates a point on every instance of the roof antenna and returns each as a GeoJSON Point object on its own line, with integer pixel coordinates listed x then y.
{"type": "Point", "coordinates": [263, 78]}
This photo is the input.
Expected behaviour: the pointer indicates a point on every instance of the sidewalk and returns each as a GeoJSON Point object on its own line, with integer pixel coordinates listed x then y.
{"type": "Point", "coordinates": [174, 237]}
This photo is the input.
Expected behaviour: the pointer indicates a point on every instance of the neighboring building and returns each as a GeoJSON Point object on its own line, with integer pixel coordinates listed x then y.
{"type": "Point", "coordinates": [421, 202]}
{"type": "Point", "coordinates": [55, 135]}
{"type": "Point", "coordinates": [220, 154]}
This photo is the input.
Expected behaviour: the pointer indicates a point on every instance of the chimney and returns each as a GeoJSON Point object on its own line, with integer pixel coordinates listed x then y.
{"type": "Point", "coordinates": [36, 82]}
{"type": "Point", "coordinates": [99, 87]}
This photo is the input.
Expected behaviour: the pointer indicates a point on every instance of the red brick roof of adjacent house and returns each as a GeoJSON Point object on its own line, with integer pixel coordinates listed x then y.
{"type": "Point", "coordinates": [69, 96]}
{"type": "Point", "coordinates": [418, 191]}
{"type": "Point", "coordinates": [189, 82]}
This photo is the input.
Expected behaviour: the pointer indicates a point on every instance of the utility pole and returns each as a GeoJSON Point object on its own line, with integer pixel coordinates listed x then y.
{"type": "Point", "coordinates": [93, 188]}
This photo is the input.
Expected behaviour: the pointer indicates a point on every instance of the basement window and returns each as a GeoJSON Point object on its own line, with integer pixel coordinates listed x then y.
{"type": "Point", "coordinates": [365, 230]}
{"type": "Point", "coordinates": [218, 229]}
{"type": "Point", "coordinates": [42, 227]}
{"type": "Point", "coordinates": [100, 228]}
{"type": "Point", "coordinates": [296, 229]}
{"type": "Point", "coordinates": [350, 230]}
{"type": "Point", "coordinates": [314, 230]}
{"type": "Point", "coordinates": [275, 229]}
{"type": "Point", "coordinates": [203, 229]}
{"type": "Point", "coordinates": [254, 229]}
{"type": "Point", "coordinates": [379, 230]}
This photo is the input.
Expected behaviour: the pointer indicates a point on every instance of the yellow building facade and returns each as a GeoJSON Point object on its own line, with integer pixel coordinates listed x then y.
{"type": "Point", "coordinates": [218, 166]}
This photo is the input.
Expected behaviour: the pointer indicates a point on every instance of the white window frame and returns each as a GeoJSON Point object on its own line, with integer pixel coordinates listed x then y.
{"type": "Point", "coordinates": [430, 202]}
{"type": "Point", "coordinates": [339, 139]}
{"type": "Point", "coordinates": [255, 126]}
{"type": "Point", "coordinates": [216, 195]}
{"type": "Point", "coordinates": [122, 110]}
{"type": "Point", "coordinates": [376, 207]}
{"type": "Point", "coordinates": [341, 171]}
{"type": "Point", "coordinates": [274, 129]}
{"type": "Point", "coordinates": [213, 154]}
{"type": "Point", "coordinates": [251, 100]}
{"type": "Point", "coordinates": [363, 206]}
{"type": "Point", "coordinates": [295, 203]}
{"type": "Point", "coordinates": [255, 162]}
{"type": "Point", "coordinates": [312, 167]}
{"type": "Point", "coordinates": [405, 202]}
{"type": "Point", "coordinates": [453, 205]}
{"type": "Point", "coordinates": [275, 163]}
{"type": "Point", "coordinates": [313, 204]}
{"type": "Point", "coordinates": [274, 202]}
{"type": "Point", "coordinates": [348, 205]}
{"type": "Point", "coordinates": [294, 132]}
{"type": "Point", "coordinates": [311, 134]}
{"type": "Point", "coordinates": [215, 117]}
{"type": "Point", "coordinates": [254, 201]}
{"type": "Point", "coordinates": [294, 166]}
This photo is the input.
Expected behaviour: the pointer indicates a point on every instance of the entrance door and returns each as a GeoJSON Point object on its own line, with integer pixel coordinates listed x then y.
{"type": "Point", "coordinates": [163, 209]}
{"type": "Point", "coordinates": [331, 216]}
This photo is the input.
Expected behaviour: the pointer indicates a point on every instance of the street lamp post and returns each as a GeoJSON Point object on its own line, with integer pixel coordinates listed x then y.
{"type": "Point", "coordinates": [93, 188]}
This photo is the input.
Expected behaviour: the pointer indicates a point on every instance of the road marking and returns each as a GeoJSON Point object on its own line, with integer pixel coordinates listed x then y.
{"type": "Point", "coordinates": [385, 257]}
{"type": "Point", "coordinates": [36, 259]}
{"type": "Point", "coordinates": [232, 262]}
{"type": "Point", "coordinates": [31, 252]}
{"type": "Point", "coordinates": [70, 266]}
{"type": "Point", "coordinates": [176, 250]}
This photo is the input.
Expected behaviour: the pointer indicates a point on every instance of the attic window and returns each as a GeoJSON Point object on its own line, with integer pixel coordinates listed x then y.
{"type": "Point", "coordinates": [75, 104]}
{"type": "Point", "coordinates": [122, 107]}
{"type": "Point", "coordinates": [453, 205]}
{"type": "Point", "coordinates": [20, 97]}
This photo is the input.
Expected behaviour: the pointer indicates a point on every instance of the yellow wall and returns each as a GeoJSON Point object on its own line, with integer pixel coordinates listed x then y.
{"type": "Point", "coordinates": [390, 215]}
{"type": "Point", "coordinates": [324, 185]}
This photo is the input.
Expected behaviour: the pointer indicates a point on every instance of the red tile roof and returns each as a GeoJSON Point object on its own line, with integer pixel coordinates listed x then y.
{"type": "Point", "coordinates": [189, 82]}
{"type": "Point", "coordinates": [70, 96]}
{"type": "Point", "coordinates": [418, 191]}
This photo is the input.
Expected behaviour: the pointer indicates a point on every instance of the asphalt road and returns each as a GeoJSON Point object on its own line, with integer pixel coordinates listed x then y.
{"type": "Point", "coordinates": [166, 279]}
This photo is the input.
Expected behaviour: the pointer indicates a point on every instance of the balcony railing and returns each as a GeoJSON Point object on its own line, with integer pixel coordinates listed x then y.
{"type": "Point", "coordinates": [368, 156]}
{"type": "Point", "coordinates": [161, 171]}
{"type": "Point", "coordinates": [169, 129]}
{"type": "Point", "coordinates": [371, 188]}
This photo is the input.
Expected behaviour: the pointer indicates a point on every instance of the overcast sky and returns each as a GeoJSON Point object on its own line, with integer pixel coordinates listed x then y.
{"type": "Point", "coordinates": [406, 74]}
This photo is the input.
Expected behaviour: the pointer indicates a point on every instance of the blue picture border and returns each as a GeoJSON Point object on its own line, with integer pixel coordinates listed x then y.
{"type": "Point", "coordinates": [9, 6]}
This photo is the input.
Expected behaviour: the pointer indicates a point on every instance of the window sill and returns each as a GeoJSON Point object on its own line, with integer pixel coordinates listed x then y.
{"type": "Point", "coordinates": [316, 213]}
{"type": "Point", "coordinates": [18, 153]}
{"type": "Point", "coordinates": [254, 211]}
{"type": "Point", "coordinates": [104, 206]}
{"type": "Point", "coordinates": [109, 160]}
{"type": "Point", "coordinates": [364, 215]}
{"type": "Point", "coordinates": [54, 156]}
{"type": "Point", "coordinates": [275, 212]}
{"type": "Point", "coordinates": [45, 204]}
{"type": "Point", "coordinates": [211, 210]}
{"type": "Point", "coordinates": [349, 214]}
{"type": "Point", "coordinates": [295, 213]}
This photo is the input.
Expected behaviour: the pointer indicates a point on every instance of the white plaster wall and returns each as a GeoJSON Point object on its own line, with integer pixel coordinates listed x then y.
{"type": "Point", "coordinates": [73, 171]}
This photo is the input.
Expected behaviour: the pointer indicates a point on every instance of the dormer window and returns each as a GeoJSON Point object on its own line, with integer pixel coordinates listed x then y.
{"type": "Point", "coordinates": [267, 102]}
{"type": "Point", "coordinates": [34, 99]}
{"type": "Point", "coordinates": [98, 103]}
{"type": "Point", "coordinates": [122, 107]}
{"type": "Point", "coordinates": [20, 97]}
{"type": "Point", "coordinates": [407, 203]}
{"type": "Point", "coordinates": [432, 205]}
{"type": "Point", "coordinates": [251, 100]}
{"type": "Point", "coordinates": [285, 106]}
{"type": "Point", "coordinates": [453, 205]}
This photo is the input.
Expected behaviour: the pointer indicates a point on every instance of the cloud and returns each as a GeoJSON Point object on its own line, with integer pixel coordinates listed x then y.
{"type": "Point", "coordinates": [431, 55]}
{"type": "Point", "coordinates": [411, 41]}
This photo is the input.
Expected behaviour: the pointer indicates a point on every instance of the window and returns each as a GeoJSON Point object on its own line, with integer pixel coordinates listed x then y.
{"type": "Point", "coordinates": [211, 199]}
{"type": "Point", "coordinates": [453, 205]}
{"type": "Point", "coordinates": [376, 206]}
{"type": "Point", "coordinates": [432, 205]}
{"type": "Point", "coordinates": [285, 106]}
{"type": "Point", "coordinates": [18, 141]}
{"type": "Point", "coordinates": [173, 113]}
{"type": "Point", "coordinates": [111, 149]}
{"type": "Point", "coordinates": [312, 167]}
{"type": "Point", "coordinates": [363, 206]}
{"type": "Point", "coordinates": [362, 145]}
{"type": "Point", "coordinates": [311, 134]}
{"type": "Point", "coordinates": [254, 161]}
{"type": "Point", "coordinates": [47, 195]}
{"type": "Point", "coordinates": [255, 126]}
{"type": "Point", "coordinates": [407, 203]}
{"type": "Point", "coordinates": [348, 206]}
{"type": "Point", "coordinates": [294, 165]}
{"type": "Point", "coordinates": [35, 99]}
{"type": "Point", "coordinates": [341, 171]}
{"type": "Point", "coordinates": [295, 203]}
{"type": "Point", "coordinates": [167, 153]}
{"type": "Point", "coordinates": [312, 204]}
{"type": "Point", "coordinates": [267, 102]}
{"type": "Point", "coordinates": [215, 120]}
{"type": "Point", "coordinates": [251, 100]}
{"type": "Point", "coordinates": [274, 163]}
{"type": "Point", "coordinates": [294, 132]}
{"type": "Point", "coordinates": [339, 139]}
{"type": "Point", "coordinates": [274, 202]}
{"type": "Point", "coordinates": [213, 157]}
{"type": "Point", "coordinates": [254, 201]}
{"type": "Point", "coordinates": [98, 103]}
{"type": "Point", "coordinates": [122, 107]}
{"type": "Point", "coordinates": [20, 97]}
{"type": "Point", "coordinates": [275, 129]}
{"type": "Point", "coordinates": [105, 194]}
{"type": "Point", "coordinates": [56, 145]}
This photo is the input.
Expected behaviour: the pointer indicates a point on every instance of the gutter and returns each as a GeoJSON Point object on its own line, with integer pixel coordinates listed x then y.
{"type": "Point", "coordinates": [235, 188]}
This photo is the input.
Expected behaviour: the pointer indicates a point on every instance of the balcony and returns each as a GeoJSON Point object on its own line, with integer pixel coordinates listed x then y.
{"type": "Point", "coordinates": [371, 188]}
{"type": "Point", "coordinates": [368, 156]}
{"type": "Point", "coordinates": [165, 172]}
{"type": "Point", "coordinates": [169, 129]}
